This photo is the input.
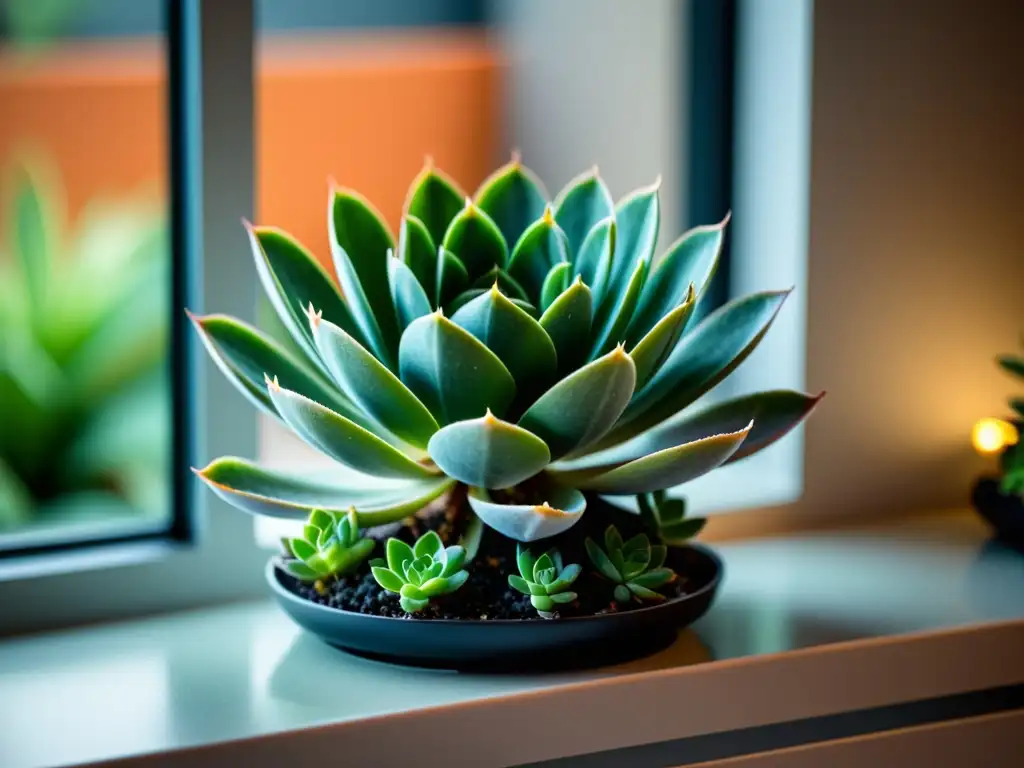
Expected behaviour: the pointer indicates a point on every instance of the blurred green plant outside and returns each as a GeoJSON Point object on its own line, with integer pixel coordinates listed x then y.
{"type": "Point", "coordinates": [33, 23]}
{"type": "Point", "coordinates": [85, 422]}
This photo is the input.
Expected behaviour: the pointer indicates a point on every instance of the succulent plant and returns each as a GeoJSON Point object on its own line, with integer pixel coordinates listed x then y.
{"type": "Point", "coordinates": [84, 387]}
{"type": "Point", "coordinates": [425, 570]}
{"type": "Point", "coordinates": [544, 579]}
{"type": "Point", "coordinates": [636, 567]}
{"type": "Point", "coordinates": [666, 518]}
{"type": "Point", "coordinates": [1012, 459]}
{"type": "Point", "coordinates": [505, 340]}
{"type": "Point", "coordinates": [330, 546]}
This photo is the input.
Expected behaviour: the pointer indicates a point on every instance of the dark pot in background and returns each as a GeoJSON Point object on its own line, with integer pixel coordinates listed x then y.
{"type": "Point", "coordinates": [1004, 513]}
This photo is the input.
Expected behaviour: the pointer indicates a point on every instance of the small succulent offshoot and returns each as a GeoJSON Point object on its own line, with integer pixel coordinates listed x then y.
{"type": "Point", "coordinates": [636, 567]}
{"type": "Point", "coordinates": [418, 573]}
{"type": "Point", "coordinates": [330, 547]}
{"type": "Point", "coordinates": [666, 518]}
{"type": "Point", "coordinates": [544, 579]}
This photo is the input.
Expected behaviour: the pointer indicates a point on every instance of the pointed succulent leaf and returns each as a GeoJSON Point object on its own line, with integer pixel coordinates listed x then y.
{"type": "Point", "coordinates": [507, 284]}
{"type": "Point", "coordinates": [612, 317]}
{"type": "Point", "coordinates": [417, 250]}
{"type": "Point", "coordinates": [473, 293]}
{"type": "Point", "coordinates": [677, 534]}
{"type": "Point", "coordinates": [387, 579]}
{"type": "Point", "coordinates": [650, 352]}
{"type": "Point", "coordinates": [275, 493]}
{"type": "Point", "coordinates": [570, 573]}
{"type": "Point", "coordinates": [518, 340]}
{"type": "Point", "coordinates": [542, 246]}
{"type": "Point", "coordinates": [774, 413]}
{"type": "Point", "coordinates": [292, 278]}
{"type": "Point", "coordinates": [476, 240]}
{"type": "Point", "coordinates": [690, 260]}
{"type": "Point", "coordinates": [601, 561]}
{"type": "Point", "coordinates": [664, 469]}
{"type": "Point", "coordinates": [567, 322]}
{"type": "Point", "coordinates": [524, 561]}
{"type": "Point", "coordinates": [360, 242]}
{"type": "Point", "coordinates": [451, 278]}
{"type": "Point", "coordinates": [643, 592]}
{"type": "Point", "coordinates": [558, 280]}
{"type": "Point", "coordinates": [341, 439]}
{"type": "Point", "coordinates": [300, 571]}
{"type": "Point", "coordinates": [35, 225]}
{"type": "Point", "coordinates": [594, 258]}
{"type": "Point", "coordinates": [454, 558]}
{"type": "Point", "coordinates": [320, 519]}
{"type": "Point", "coordinates": [637, 217]}
{"type": "Point", "coordinates": [429, 544]}
{"type": "Point", "coordinates": [451, 372]}
{"type": "Point", "coordinates": [700, 360]}
{"type": "Point", "coordinates": [580, 408]}
{"type": "Point", "coordinates": [529, 522]}
{"type": "Point", "coordinates": [435, 199]}
{"type": "Point", "coordinates": [544, 563]}
{"type": "Point", "coordinates": [582, 203]}
{"type": "Point", "coordinates": [324, 538]}
{"type": "Point", "coordinates": [612, 538]}
{"type": "Point", "coordinates": [245, 356]}
{"type": "Point", "coordinates": [366, 380]}
{"type": "Point", "coordinates": [488, 452]}
{"type": "Point", "coordinates": [302, 549]}
{"type": "Point", "coordinates": [407, 294]}
{"type": "Point", "coordinates": [399, 555]}
{"type": "Point", "coordinates": [455, 581]}
{"type": "Point", "coordinates": [514, 197]}
{"type": "Point", "coordinates": [519, 584]}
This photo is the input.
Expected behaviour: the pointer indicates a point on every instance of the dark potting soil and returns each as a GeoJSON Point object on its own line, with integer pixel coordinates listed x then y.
{"type": "Point", "coordinates": [486, 593]}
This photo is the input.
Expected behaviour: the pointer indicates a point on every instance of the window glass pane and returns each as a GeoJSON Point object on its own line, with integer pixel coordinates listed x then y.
{"type": "Point", "coordinates": [85, 426]}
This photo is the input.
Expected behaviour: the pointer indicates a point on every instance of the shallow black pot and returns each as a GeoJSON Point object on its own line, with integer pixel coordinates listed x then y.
{"type": "Point", "coordinates": [504, 645]}
{"type": "Point", "coordinates": [1004, 513]}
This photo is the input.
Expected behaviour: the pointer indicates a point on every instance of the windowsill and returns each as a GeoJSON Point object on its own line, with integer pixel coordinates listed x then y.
{"type": "Point", "coordinates": [806, 626]}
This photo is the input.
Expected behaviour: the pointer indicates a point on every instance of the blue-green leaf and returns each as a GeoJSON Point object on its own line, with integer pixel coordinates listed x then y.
{"type": "Point", "coordinates": [488, 452]}
{"type": "Point", "coordinates": [650, 352]}
{"type": "Point", "coordinates": [505, 282]}
{"type": "Point", "coordinates": [476, 240]}
{"type": "Point", "coordinates": [428, 544]}
{"type": "Point", "coordinates": [612, 317]}
{"type": "Point", "coordinates": [542, 246]}
{"type": "Point", "coordinates": [690, 260]}
{"type": "Point", "coordinates": [341, 439]}
{"type": "Point", "coordinates": [434, 198]}
{"type": "Point", "coordinates": [664, 469]}
{"type": "Point", "coordinates": [407, 293]}
{"type": "Point", "coordinates": [594, 259]}
{"type": "Point", "coordinates": [276, 493]}
{"type": "Point", "coordinates": [567, 322]}
{"type": "Point", "coordinates": [376, 389]}
{"type": "Point", "coordinates": [700, 360]}
{"type": "Point", "coordinates": [601, 561]}
{"type": "Point", "coordinates": [451, 278]}
{"type": "Point", "coordinates": [637, 217]}
{"type": "Point", "coordinates": [360, 242]}
{"type": "Point", "coordinates": [581, 204]}
{"type": "Point", "coordinates": [519, 584]}
{"type": "Point", "coordinates": [456, 376]}
{"type": "Point", "coordinates": [300, 571]}
{"type": "Point", "coordinates": [518, 340]}
{"type": "Point", "coordinates": [556, 283]}
{"type": "Point", "coordinates": [513, 197]}
{"type": "Point", "coordinates": [580, 408]}
{"type": "Point", "coordinates": [387, 579]}
{"type": "Point", "coordinates": [417, 249]}
{"type": "Point", "coordinates": [530, 522]}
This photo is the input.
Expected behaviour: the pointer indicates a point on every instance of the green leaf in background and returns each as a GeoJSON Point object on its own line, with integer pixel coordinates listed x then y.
{"type": "Point", "coordinates": [488, 452]}
{"type": "Point", "coordinates": [16, 505]}
{"type": "Point", "coordinates": [360, 242]}
{"type": "Point", "coordinates": [581, 205]}
{"type": "Point", "coordinates": [513, 197]}
{"type": "Point", "coordinates": [1012, 364]}
{"type": "Point", "coordinates": [33, 229]}
{"type": "Point", "coordinates": [434, 199]}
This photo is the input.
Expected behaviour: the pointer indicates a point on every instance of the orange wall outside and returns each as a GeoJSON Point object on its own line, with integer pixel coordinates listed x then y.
{"type": "Point", "coordinates": [364, 110]}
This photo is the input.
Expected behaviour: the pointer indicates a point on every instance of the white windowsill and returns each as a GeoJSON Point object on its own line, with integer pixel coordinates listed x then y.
{"type": "Point", "coordinates": [862, 619]}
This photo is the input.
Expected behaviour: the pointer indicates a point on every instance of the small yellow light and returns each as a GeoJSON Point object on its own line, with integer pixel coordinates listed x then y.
{"type": "Point", "coordinates": [992, 435]}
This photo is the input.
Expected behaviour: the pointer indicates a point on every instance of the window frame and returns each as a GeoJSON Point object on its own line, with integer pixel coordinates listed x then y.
{"type": "Point", "coordinates": [207, 553]}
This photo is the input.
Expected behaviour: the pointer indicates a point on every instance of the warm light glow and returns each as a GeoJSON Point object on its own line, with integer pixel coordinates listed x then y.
{"type": "Point", "coordinates": [992, 435]}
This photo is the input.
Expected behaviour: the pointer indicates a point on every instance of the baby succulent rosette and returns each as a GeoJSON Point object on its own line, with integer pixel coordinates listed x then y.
{"type": "Point", "coordinates": [531, 349]}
